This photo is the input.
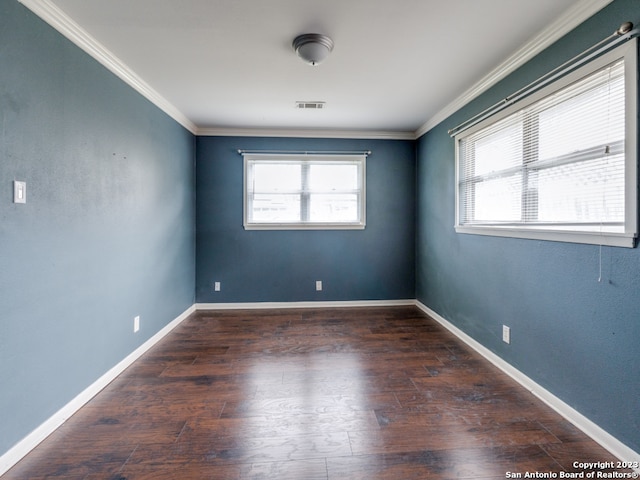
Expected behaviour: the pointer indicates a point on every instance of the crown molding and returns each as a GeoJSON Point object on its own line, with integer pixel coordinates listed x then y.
{"type": "Point", "coordinates": [563, 25]}
{"type": "Point", "coordinates": [304, 133]}
{"type": "Point", "coordinates": [60, 21]}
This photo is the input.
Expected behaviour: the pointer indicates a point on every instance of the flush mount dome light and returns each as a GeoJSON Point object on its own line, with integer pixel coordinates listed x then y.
{"type": "Point", "coordinates": [313, 48]}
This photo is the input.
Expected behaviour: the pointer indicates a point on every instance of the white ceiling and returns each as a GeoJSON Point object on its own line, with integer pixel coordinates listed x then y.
{"type": "Point", "coordinates": [398, 66]}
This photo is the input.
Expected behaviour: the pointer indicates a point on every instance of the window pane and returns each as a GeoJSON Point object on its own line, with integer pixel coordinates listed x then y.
{"type": "Point", "coordinates": [594, 117]}
{"type": "Point", "coordinates": [332, 177]}
{"type": "Point", "coordinates": [587, 192]}
{"type": "Point", "coordinates": [334, 208]}
{"type": "Point", "coordinates": [275, 208]}
{"type": "Point", "coordinates": [498, 200]}
{"type": "Point", "coordinates": [304, 191]}
{"type": "Point", "coordinates": [498, 150]}
{"type": "Point", "coordinates": [276, 177]}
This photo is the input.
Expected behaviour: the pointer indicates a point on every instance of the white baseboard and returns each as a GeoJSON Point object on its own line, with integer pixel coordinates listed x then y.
{"type": "Point", "coordinates": [18, 451]}
{"type": "Point", "coordinates": [320, 304]}
{"type": "Point", "coordinates": [606, 440]}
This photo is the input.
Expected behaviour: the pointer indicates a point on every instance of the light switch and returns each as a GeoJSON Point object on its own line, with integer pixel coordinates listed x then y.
{"type": "Point", "coordinates": [19, 192]}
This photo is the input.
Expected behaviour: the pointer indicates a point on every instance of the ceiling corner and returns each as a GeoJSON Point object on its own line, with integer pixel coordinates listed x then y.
{"type": "Point", "coordinates": [563, 25]}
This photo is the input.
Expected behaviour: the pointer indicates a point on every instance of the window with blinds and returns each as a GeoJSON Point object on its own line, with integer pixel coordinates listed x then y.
{"type": "Point", "coordinates": [304, 192]}
{"type": "Point", "coordinates": [560, 165]}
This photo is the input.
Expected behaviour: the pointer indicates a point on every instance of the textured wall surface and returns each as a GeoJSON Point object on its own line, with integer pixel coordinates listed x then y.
{"type": "Point", "coordinates": [282, 266]}
{"type": "Point", "coordinates": [572, 334]}
{"type": "Point", "coordinates": [107, 232]}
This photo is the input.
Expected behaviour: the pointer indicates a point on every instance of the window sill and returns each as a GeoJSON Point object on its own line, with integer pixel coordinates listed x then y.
{"type": "Point", "coordinates": [304, 226]}
{"type": "Point", "coordinates": [612, 239]}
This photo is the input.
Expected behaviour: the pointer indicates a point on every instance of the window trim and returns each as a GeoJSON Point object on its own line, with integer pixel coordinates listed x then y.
{"type": "Point", "coordinates": [359, 158]}
{"type": "Point", "coordinates": [628, 52]}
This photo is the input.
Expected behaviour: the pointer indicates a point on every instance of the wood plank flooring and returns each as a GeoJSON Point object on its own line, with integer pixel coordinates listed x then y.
{"type": "Point", "coordinates": [358, 393]}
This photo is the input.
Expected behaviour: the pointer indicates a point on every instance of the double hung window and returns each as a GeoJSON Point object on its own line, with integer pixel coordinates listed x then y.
{"type": "Point", "coordinates": [559, 165]}
{"type": "Point", "coordinates": [304, 191]}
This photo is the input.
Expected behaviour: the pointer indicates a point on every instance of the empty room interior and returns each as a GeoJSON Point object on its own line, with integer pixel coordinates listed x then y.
{"type": "Point", "coordinates": [317, 240]}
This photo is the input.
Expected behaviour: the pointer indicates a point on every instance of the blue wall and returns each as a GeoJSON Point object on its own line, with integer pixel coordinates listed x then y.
{"type": "Point", "coordinates": [573, 335]}
{"type": "Point", "coordinates": [282, 266]}
{"type": "Point", "coordinates": [107, 232]}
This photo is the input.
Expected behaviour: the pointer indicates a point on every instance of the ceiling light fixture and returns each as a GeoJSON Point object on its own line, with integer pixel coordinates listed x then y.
{"type": "Point", "coordinates": [313, 48]}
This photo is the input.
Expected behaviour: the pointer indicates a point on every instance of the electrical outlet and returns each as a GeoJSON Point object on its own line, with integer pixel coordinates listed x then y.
{"type": "Point", "coordinates": [318, 285]}
{"type": "Point", "coordinates": [136, 324]}
{"type": "Point", "coordinates": [506, 334]}
{"type": "Point", "coordinates": [216, 286]}
{"type": "Point", "coordinates": [19, 192]}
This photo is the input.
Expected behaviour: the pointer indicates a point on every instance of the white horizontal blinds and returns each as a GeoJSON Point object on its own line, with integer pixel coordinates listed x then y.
{"type": "Point", "coordinates": [557, 162]}
{"type": "Point", "coordinates": [327, 190]}
{"type": "Point", "coordinates": [491, 173]}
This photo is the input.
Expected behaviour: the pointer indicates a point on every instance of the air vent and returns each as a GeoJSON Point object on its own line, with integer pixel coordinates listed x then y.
{"type": "Point", "coordinates": [310, 105]}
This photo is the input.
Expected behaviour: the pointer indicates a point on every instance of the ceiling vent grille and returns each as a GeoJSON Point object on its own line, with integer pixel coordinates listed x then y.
{"type": "Point", "coordinates": [310, 105]}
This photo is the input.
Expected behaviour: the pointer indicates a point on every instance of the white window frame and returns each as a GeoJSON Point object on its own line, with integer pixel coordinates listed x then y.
{"type": "Point", "coordinates": [305, 160]}
{"type": "Point", "coordinates": [627, 238]}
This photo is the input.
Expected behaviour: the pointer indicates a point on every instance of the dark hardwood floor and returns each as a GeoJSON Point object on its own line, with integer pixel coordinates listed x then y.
{"type": "Point", "coordinates": [357, 393]}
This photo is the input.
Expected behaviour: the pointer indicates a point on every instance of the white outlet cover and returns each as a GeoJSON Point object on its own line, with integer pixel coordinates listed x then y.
{"type": "Point", "coordinates": [318, 285]}
{"type": "Point", "coordinates": [216, 286]}
{"type": "Point", "coordinates": [19, 192]}
{"type": "Point", "coordinates": [136, 324]}
{"type": "Point", "coordinates": [506, 334]}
